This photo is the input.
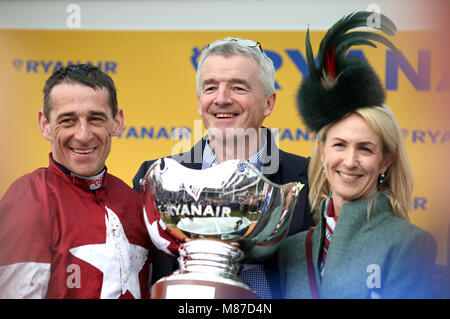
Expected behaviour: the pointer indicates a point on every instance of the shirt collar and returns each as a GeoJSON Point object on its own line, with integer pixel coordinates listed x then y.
{"type": "Point", "coordinates": [93, 182]}
{"type": "Point", "coordinates": [256, 160]}
{"type": "Point", "coordinates": [329, 209]}
{"type": "Point", "coordinates": [86, 182]}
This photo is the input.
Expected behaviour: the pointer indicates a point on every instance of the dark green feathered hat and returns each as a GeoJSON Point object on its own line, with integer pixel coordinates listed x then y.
{"type": "Point", "coordinates": [341, 84]}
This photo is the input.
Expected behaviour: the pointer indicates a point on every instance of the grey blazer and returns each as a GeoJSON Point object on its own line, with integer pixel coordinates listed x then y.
{"type": "Point", "coordinates": [380, 256]}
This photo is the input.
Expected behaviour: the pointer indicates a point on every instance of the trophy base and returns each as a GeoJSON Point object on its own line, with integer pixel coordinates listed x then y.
{"type": "Point", "coordinates": [182, 286]}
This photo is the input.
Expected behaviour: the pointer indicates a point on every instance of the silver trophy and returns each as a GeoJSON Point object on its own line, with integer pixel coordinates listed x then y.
{"type": "Point", "coordinates": [214, 220]}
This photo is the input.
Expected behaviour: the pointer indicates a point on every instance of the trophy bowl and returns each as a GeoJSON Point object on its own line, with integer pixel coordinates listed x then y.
{"type": "Point", "coordinates": [213, 221]}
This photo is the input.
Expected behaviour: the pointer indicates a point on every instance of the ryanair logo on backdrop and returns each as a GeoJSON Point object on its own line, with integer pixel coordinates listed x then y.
{"type": "Point", "coordinates": [32, 66]}
{"type": "Point", "coordinates": [427, 136]}
{"type": "Point", "coordinates": [415, 136]}
{"type": "Point", "coordinates": [416, 70]}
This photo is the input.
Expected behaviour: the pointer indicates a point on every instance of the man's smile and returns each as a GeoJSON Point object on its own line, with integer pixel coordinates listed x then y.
{"type": "Point", "coordinates": [83, 151]}
{"type": "Point", "coordinates": [225, 115]}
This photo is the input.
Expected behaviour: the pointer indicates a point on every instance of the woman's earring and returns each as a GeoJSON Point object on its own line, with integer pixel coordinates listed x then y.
{"type": "Point", "coordinates": [323, 167]}
{"type": "Point", "coordinates": [382, 178]}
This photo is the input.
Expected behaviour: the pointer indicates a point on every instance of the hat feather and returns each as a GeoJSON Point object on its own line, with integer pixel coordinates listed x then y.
{"type": "Point", "coordinates": [340, 84]}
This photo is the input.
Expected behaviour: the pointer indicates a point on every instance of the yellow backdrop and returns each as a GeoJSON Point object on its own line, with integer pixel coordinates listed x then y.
{"type": "Point", "coordinates": [155, 76]}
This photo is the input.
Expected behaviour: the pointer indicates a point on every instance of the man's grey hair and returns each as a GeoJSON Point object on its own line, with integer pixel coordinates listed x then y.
{"type": "Point", "coordinates": [234, 46]}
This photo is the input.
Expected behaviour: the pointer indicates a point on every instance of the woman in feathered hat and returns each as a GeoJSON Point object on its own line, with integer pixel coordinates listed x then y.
{"type": "Point", "coordinates": [360, 183]}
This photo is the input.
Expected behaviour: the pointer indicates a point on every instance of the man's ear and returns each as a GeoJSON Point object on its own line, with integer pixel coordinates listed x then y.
{"type": "Point", "coordinates": [44, 125]}
{"type": "Point", "coordinates": [199, 111]}
{"type": "Point", "coordinates": [118, 123]}
{"type": "Point", "coordinates": [270, 103]}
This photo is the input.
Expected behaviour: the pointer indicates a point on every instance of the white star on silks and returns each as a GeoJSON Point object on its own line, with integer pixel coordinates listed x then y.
{"type": "Point", "coordinates": [118, 260]}
{"type": "Point", "coordinates": [160, 242]}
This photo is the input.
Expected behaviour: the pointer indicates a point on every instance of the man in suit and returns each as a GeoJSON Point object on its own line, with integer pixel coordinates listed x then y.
{"type": "Point", "coordinates": [235, 89]}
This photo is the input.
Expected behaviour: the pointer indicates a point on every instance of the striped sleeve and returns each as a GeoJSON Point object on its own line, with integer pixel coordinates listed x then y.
{"type": "Point", "coordinates": [25, 238]}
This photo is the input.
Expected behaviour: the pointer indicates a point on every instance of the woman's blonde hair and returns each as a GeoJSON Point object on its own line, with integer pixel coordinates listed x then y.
{"type": "Point", "coordinates": [398, 182]}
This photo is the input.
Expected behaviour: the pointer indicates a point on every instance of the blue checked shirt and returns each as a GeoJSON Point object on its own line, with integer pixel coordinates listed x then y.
{"type": "Point", "coordinates": [253, 275]}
